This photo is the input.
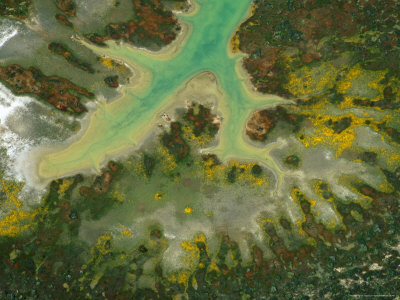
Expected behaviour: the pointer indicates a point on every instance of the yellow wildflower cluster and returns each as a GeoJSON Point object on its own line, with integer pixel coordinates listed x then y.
{"type": "Point", "coordinates": [360, 79]}
{"type": "Point", "coordinates": [188, 210]}
{"type": "Point", "coordinates": [213, 266]}
{"type": "Point", "coordinates": [66, 183]}
{"type": "Point", "coordinates": [11, 191]}
{"type": "Point", "coordinates": [158, 196]}
{"type": "Point", "coordinates": [392, 156]}
{"type": "Point", "coordinates": [168, 163]}
{"type": "Point", "coordinates": [328, 137]}
{"type": "Point", "coordinates": [306, 81]}
{"type": "Point", "coordinates": [110, 63]}
{"type": "Point", "coordinates": [345, 83]}
{"type": "Point", "coordinates": [253, 9]}
{"type": "Point", "coordinates": [348, 181]}
{"type": "Point", "coordinates": [107, 61]}
{"type": "Point", "coordinates": [135, 164]}
{"type": "Point", "coordinates": [348, 102]}
{"type": "Point", "coordinates": [126, 232]}
{"type": "Point", "coordinates": [332, 224]}
{"type": "Point", "coordinates": [374, 82]}
{"type": "Point", "coordinates": [201, 140]}
{"type": "Point", "coordinates": [218, 172]}
{"type": "Point", "coordinates": [193, 252]}
{"type": "Point", "coordinates": [245, 173]}
{"type": "Point", "coordinates": [212, 170]}
{"type": "Point", "coordinates": [323, 193]}
{"type": "Point", "coordinates": [103, 244]}
{"type": "Point", "coordinates": [117, 195]}
{"type": "Point", "coordinates": [192, 258]}
{"type": "Point", "coordinates": [235, 42]}
{"type": "Point", "coordinates": [16, 220]}
{"type": "Point", "coordinates": [297, 195]}
{"type": "Point", "coordinates": [181, 277]}
{"type": "Point", "coordinates": [386, 187]}
{"type": "Point", "coordinates": [267, 220]}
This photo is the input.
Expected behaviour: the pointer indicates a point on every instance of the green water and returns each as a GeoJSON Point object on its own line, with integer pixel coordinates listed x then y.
{"type": "Point", "coordinates": [118, 126]}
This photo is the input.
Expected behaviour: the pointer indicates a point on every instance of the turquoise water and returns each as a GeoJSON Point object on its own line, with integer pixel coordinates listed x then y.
{"type": "Point", "coordinates": [122, 124]}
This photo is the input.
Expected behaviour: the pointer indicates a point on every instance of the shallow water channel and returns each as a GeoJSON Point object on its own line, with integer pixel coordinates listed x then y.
{"type": "Point", "coordinates": [122, 124]}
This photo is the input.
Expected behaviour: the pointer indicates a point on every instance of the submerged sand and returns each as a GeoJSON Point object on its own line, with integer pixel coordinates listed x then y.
{"type": "Point", "coordinates": [120, 126]}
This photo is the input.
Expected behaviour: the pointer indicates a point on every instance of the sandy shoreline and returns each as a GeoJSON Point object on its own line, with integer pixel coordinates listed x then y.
{"type": "Point", "coordinates": [142, 78]}
{"type": "Point", "coordinates": [138, 82]}
{"type": "Point", "coordinates": [171, 50]}
{"type": "Point", "coordinates": [168, 51]}
{"type": "Point", "coordinates": [241, 72]}
{"type": "Point", "coordinates": [146, 130]}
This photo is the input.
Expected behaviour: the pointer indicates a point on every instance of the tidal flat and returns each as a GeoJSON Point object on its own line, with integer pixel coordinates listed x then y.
{"type": "Point", "coordinates": [254, 155]}
{"type": "Point", "coordinates": [125, 121]}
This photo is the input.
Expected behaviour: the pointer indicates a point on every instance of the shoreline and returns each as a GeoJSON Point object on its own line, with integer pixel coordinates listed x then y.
{"type": "Point", "coordinates": [172, 49]}
{"type": "Point", "coordinates": [142, 78]}
{"type": "Point", "coordinates": [251, 91]}
{"type": "Point", "coordinates": [167, 52]}
{"type": "Point", "coordinates": [139, 82]}
{"type": "Point", "coordinates": [28, 166]}
{"type": "Point", "coordinates": [125, 150]}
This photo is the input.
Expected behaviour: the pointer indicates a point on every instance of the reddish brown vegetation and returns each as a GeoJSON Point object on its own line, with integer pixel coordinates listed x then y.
{"type": "Point", "coordinates": [201, 121]}
{"type": "Point", "coordinates": [300, 26]}
{"type": "Point", "coordinates": [152, 22]}
{"type": "Point", "coordinates": [15, 8]}
{"type": "Point", "coordinates": [62, 50]}
{"type": "Point", "coordinates": [262, 122]}
{"type": "Point", "coordinates": [174, 142]}
{"type": "Point", "coordinates": [55, 90]}
{"type": "Point", "coordinates": [113, 166]}
{"type": "Point", "coordinates": [63, 20]}
{"type": "Point", "coordinates": [101, 184]}
{"type": "Point", "coordinates": [213, 158]}
{"type": "Point", "coordinates": [67, 7]}
{"type": "Point", "coordinates": [112, 81]}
